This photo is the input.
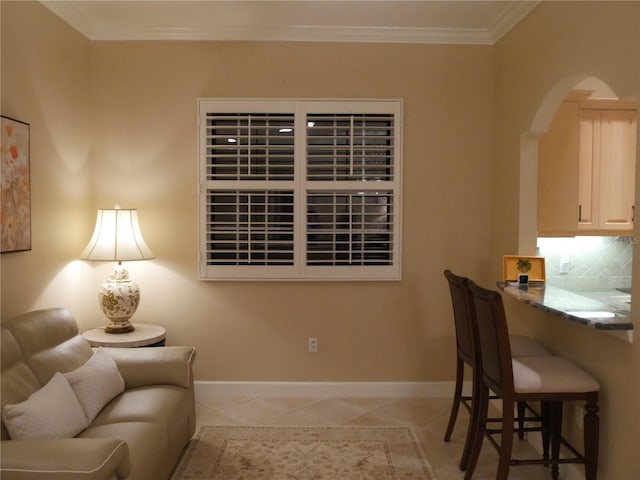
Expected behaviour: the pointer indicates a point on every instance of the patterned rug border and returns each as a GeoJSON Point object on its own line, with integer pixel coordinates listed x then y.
{"type": "Point", "coordinates": [389, 434]}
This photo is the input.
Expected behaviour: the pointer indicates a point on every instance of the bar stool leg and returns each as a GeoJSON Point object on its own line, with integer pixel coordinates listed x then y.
{"type": "Point", "coordinates": [456, 398]}
{"type": "Point", "coordinates": [556, 433]}
{"type": "Point", "coordinates": [545, 413]}
{"type": "Point", "coordinates": [521, 414]}
{"type": "Point", "coordinates": [506, 440]}
{"type": "Point", "coordinates": [591, 437]}
{"type": "Point", "coordinates": [482, 403]}
{"type": "Point", "coordinates": [473, 422]}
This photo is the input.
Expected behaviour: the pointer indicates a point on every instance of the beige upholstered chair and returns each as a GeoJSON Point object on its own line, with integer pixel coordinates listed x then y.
{"type": "Point", "coordinates": [550, 380]}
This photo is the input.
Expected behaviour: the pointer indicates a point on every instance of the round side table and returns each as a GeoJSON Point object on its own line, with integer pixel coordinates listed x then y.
{"type": "Point", "coordinates": [145, 335]}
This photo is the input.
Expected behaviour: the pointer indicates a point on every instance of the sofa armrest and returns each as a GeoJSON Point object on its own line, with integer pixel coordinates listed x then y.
{"type": "Point", "coordinates": [155, 365]}
{"type": "Point", "coordinates": [65, 459]}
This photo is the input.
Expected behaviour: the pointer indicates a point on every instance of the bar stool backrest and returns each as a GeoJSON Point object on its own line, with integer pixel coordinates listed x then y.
{"type": "Point", "coordinates": [493, 336]}
{"type": "Point", "coordinates": [464, 316]}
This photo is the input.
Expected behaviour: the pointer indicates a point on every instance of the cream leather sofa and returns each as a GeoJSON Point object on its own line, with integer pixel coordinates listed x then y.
{"type": "Point", "coordinates": [139, 435]}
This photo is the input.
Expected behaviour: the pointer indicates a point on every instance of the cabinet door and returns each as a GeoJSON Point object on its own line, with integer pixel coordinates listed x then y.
{"type": "Point", "coordinates": [617, 169]}
{"type": "Point", "coordinates": [606, 177]}
{"type": "Point", "coordinates": [588, 169]}
{"type": "Point", "coordinates": [558, 153]}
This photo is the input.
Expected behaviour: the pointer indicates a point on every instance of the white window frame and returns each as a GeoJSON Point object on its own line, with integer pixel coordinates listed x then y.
{"type": "Point", "coordinates": [301, 186]}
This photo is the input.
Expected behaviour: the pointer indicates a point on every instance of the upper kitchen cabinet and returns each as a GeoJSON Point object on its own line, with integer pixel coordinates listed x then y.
{"type": "Point", "coordinates": [586, 168]}
{"type": "Point", "coordinates": [558, 163]}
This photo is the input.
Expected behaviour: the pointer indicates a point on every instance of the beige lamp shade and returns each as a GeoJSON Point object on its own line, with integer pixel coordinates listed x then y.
{"type": "Point", "coordinates": [117, 237]}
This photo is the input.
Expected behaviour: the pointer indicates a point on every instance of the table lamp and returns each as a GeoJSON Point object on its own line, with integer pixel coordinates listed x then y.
{"type": "Point", "coordinates": [117, 238]}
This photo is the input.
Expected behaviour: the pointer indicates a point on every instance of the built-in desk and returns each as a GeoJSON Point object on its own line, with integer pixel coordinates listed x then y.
{"type": "Point", "coordinates": [604, 310]}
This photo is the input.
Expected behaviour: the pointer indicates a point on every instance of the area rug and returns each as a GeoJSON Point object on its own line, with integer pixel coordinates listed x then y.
{"type": "Point", "coordinates": [303, 453]}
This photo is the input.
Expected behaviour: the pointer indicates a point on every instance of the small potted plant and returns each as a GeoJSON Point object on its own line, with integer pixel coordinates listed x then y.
{"type": "Point", "coordinates": [523, 265]}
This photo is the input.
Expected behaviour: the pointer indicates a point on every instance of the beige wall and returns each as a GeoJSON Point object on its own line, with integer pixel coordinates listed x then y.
{"type": "Point", "coordinates": [45, 83]}
{"type": "Point", "coordinates": [143, 116]}
{"type": "Point", "coordinates": [144, 109]}
{"type": "Point", "coordinates": [558, 44]}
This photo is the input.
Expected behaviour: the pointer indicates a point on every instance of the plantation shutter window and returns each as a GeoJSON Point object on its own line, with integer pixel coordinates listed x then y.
{"type": "Point", "coordinates": [297, 189]}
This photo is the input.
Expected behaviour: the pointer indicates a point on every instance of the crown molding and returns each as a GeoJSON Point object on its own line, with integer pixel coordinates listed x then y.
{"type": "Point", "coordinates": [69, 12]}
{"type": "Point", "coordinates": [298, 34]}
{"type": "Point", "coordinates": [71, 15]}
{"type": "Point", "coordinates": [510, 17]}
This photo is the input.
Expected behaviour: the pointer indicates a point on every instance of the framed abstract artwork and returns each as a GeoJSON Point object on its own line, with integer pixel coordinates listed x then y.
{"type": "Point", "coordinates": [15, 209]}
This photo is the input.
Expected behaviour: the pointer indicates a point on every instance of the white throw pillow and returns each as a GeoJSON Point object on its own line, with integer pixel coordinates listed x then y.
{"type": "Point", "coordinates": [96, 382]}
{"type": "Point", "coordinates": [51, 412]}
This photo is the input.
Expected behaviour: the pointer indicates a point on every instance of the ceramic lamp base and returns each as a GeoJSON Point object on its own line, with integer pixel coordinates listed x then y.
{"type": "Point", "coordinates": [119, 327]}
{"type": "Point", "coordinates": [119, 297]}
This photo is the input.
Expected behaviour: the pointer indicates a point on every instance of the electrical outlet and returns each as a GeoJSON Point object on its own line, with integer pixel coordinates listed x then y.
{"type": "Point", "coordinates": [313, 345]}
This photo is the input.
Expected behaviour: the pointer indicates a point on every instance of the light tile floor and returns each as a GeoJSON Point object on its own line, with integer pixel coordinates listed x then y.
{"type": "Point", "coordinates": [427, 416]}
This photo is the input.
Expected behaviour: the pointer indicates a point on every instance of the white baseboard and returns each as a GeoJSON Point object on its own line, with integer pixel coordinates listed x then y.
{"type": "Point", "coordinates": [206, 389]}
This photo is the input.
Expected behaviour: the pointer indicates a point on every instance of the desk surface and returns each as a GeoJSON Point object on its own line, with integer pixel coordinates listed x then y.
{"type": "Point", "coordinates": [143, 335]}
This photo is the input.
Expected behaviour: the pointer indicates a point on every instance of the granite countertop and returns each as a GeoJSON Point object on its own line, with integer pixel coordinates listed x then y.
{"type": "Point", "coordinates": [602, 309]}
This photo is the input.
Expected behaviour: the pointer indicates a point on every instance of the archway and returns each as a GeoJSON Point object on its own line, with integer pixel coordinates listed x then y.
{"type": "Point", "coordinates": [528, 235]}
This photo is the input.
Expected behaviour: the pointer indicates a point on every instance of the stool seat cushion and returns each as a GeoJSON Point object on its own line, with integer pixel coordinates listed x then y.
{"type": "Point", "coordinates": [523, 346]}
{"type": "Point", "coordinates": [550, 374]}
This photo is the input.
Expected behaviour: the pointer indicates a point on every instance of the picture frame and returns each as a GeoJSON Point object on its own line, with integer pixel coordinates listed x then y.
{"type": "Point", "coordinates": [15, 186]}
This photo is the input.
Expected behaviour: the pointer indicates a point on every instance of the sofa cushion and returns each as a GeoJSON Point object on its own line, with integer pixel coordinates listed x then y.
{"type": "Point", "coordinates": [158, 404]}
{"type": "Point", "coordinates": [49, 342]}
{"type": "Point", "coordinates": [50, 412]}
{"type": "Point", "coordinates": [96, 382]}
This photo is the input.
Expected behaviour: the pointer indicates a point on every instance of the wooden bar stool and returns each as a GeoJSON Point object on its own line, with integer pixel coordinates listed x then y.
{"type": "Point", "coordinates": [550, 380]}
{"type": "Point", "coordinates": [466, 353]}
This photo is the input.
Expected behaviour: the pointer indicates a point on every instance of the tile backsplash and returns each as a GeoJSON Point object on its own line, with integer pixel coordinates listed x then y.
{"type": "Point", "coordinates": [587, 263]}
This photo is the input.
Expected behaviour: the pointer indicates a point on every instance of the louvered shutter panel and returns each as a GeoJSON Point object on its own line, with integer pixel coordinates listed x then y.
{"type": "Point", "coordinates": [350, 147]}
{"type": "Point", "coordinates": [249, 146]}
{"type": "Point", "coordinates": [346, 228]}
{"type": "Point", "coordinates": [250, 227]}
